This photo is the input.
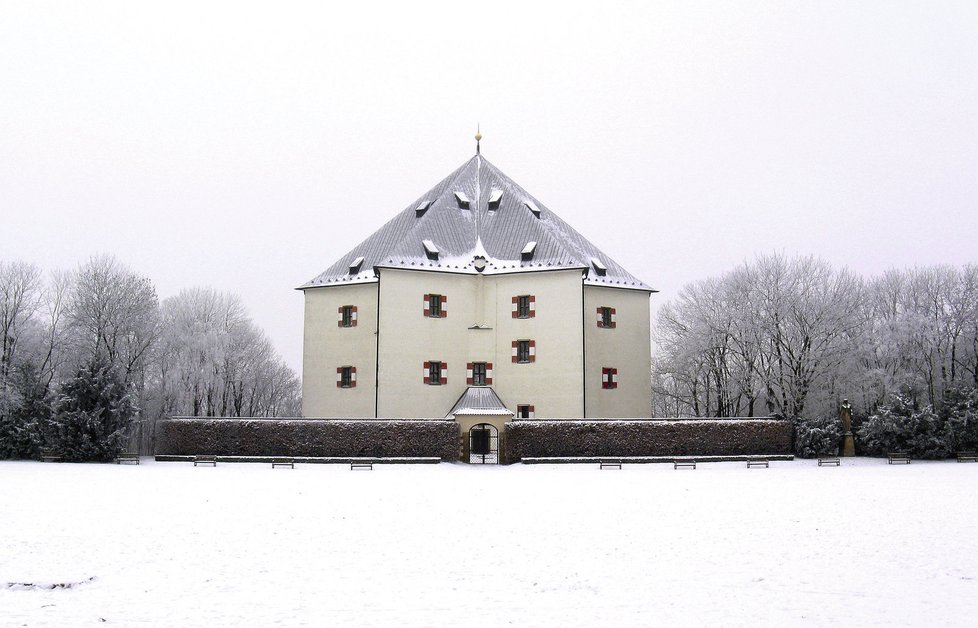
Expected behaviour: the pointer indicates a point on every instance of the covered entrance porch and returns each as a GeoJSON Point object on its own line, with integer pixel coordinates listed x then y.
{"type": "Point", "coordinates": [482, 418]}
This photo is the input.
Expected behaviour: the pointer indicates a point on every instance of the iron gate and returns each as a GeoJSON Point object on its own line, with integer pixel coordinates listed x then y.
{"type": "Point", "coordinates": [484, 444]}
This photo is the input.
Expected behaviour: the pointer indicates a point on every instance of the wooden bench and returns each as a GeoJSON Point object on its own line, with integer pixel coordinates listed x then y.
{"type": "Point", "coordinates": [203, 460]}
{"type": "Point", "coordinates": [51, 456]}
{"type": "Point", "coordinates": [362, 465]}
{"type": "Point", "coordinates": [610, 464]}
{"type": "Point", "coordinates": [127, 457]}
{"type": "Point", "coordinates": [283, 462]}
{"type": "Point", "coordinates": [683, 464]}
{"type": "Point", "coordinates": [829, 461]}
{"type": "Point", "coordinates": [898, 457]}
{"type": "Point", "coordinates": [967, 456]}
{"type": "Point", "coordinates": [758, 462]}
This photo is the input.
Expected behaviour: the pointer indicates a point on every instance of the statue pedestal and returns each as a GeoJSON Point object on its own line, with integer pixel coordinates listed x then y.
{"type": "Point", "coordinates": [848, 445]}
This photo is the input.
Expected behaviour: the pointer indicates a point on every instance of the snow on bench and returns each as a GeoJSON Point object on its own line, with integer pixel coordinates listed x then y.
{"type": "Point", "coordinates": [610, 464]}
{"type": "Point", "coordinates": [51, 456]}
{"type": "Point", "coordinates": [898, 457]}
{"type": "Point", "coordinates": [757, 462]}
{"type": "Point", "coordinates": [363, 465]}
{"type": "Point", "coordinates": [680, 463]}
{"type": "Point", "coordinates": [967, 456]}
{"type": "Point", "coordinates": [126, 457]}
{"type": "Point", "coordinates": [283, 462]}
{"type": "Point", "coordinates": [205, 460]}
{"type": "Point", "coordinates": [829, 461]}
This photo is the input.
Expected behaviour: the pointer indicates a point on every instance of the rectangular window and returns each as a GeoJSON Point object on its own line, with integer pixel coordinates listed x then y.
{"type": "Point", "coordinates": [607, 317]}
{"type": "Point", "coordinates": [609, 378]}
{"type": "Point", "coordinates": [478, 374]}
{"type": "Point", "coordinates": [435, 373]}
{"type": "Point", "coordinates": [524, 351]}
{"type": "Point", "coordinates": [346, 316]}
{"type": "Point", "coordinates": [346, 377]}
{"type": "Point", "coordinates": [524, 412]}
{"type": "Point", "coordinates": [524, 306]}
{"type": "Point", "coordinates": [435, 305]}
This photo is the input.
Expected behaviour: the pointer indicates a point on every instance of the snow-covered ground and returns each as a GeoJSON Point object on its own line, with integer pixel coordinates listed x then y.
{"type": "Point", "coordinates": [435, 545]}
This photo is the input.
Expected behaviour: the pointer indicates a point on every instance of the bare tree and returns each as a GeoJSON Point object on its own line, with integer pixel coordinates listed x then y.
{"type": "Point", "coordinates": [218, 363]}
{"type": "Point", "coordinates": [808, 316]}
{"type": "Point", "coordinates": [767, 331]}
{"type": "Point", "coordinates": [113, 313]}
{"type": "Point", "coordinates": [21, 292]}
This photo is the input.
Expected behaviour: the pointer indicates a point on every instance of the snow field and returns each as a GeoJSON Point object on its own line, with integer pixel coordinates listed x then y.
{"type": "Point", "coordinates": [543, 545]}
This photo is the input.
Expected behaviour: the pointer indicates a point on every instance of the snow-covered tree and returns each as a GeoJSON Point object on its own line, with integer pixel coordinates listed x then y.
{"type": "Point", "coordinates": [214, 361]}
{"type": "Point", "coordinates": [20, 297]}
{"type": "Point", "coordinates": [113, 316]}
{"type": "Point", "coordinates": [93, 413]}
{"type": "Point", "coordinates": [817, 435]}
{"type": "Point", "coordinates": [25, 413]}
{"type": "Point", "coordinates": [769, 332]}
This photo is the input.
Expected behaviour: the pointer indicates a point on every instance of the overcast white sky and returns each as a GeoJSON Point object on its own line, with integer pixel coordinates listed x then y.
{"type": "Point", "coordinates": [247, 146]}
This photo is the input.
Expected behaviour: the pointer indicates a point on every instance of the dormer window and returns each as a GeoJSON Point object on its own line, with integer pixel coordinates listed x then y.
{"type": "Point", "coordinates": [527, 253]}
{"type": "Point", "coordinates": [494, 198]}
{"type": "Point", "coordinates": [430, 249]}
{"type": "Point", "coordinates": [355, 266]}
{"type": "Point", "coordinates": [463, 200]}
{"type": "Point", "coordinates": [422, 208]}
{"type": "Point", "coordinates": [599, 268]}
{"type": "Point", "coordinates": [532, 207]}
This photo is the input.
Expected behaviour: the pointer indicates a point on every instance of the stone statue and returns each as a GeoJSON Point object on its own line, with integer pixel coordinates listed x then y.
{"type": "Point", "coordinates": [848, 444]}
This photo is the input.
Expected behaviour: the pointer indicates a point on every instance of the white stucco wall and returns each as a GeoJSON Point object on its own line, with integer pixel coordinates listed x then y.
{"type": "Point", "coordinates": [626, 347]}
{"type": "Point", "coordinates": [327, 347]}
{"type": "Point", "coordinates": [552, 383]}
{"type": "Point", "coordinates": [479, 327]}
{"type": "Point", "coordinates": [408, 338]}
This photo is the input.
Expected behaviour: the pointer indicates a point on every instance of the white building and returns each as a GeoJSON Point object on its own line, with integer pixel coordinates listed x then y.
{"type": "Point", "coordinates": [476, 301]}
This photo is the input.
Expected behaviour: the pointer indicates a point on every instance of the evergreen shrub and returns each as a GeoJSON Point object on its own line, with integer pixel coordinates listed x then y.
{"type": "Point", "coordinates": [25, 414]}
{"type": "Point", "coordinates": [611, 438]}
{"type": "Point", "coordinates": [961, 419]}
{"type": "Point", "coordinates": [899, 425]}
{"type": "Point", "coordinates": [92, 415]}
{"type": "Point", "coordinates": [817, 436]}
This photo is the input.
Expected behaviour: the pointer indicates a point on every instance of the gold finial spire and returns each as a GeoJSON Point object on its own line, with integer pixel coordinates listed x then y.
{"type": "Point", "coordinates": [478, 138]}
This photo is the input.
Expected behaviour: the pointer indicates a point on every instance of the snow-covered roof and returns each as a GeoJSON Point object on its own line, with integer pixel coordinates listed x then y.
{"type": "Point", "coordinates": [498, 221]}
{"type": "Point", "coordinates": [478, 400]}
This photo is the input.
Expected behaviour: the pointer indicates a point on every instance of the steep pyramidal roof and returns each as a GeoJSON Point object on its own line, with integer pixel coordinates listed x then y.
{"type": "Point", "coordinates": [477, 211]}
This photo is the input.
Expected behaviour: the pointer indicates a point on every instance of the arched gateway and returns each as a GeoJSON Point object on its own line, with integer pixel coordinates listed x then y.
{"type": "Point", "coordinates": [482, 419]}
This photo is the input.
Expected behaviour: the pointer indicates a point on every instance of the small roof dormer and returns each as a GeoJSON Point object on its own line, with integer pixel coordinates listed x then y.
{"type": "Point", "coordinates": [502, 223]}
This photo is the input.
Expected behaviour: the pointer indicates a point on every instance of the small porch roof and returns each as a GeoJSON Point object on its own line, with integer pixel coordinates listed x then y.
{"type": "Point", "coordinates": [478, 400]}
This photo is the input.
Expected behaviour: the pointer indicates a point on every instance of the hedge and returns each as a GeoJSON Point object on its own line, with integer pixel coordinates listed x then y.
{"type": "Point", "coordinates": [308, 437]}
{"type": "Point", "coordinates": [708, 437]}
